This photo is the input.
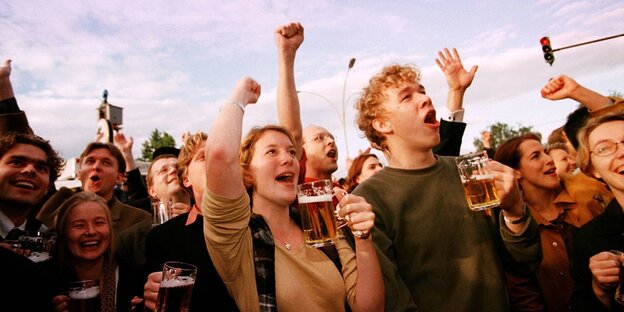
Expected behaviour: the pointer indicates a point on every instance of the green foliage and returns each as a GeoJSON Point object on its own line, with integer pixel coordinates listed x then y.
{"type": "Point", "coordinates": [501, 132]}
{"type": "Point", "coordinates": [156, 140]}
{"type": "Point", "coordinates": [617, 94]}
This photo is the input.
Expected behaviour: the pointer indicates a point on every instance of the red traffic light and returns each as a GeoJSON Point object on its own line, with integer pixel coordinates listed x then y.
{"type": "Point", "coordinates": [549, 57]}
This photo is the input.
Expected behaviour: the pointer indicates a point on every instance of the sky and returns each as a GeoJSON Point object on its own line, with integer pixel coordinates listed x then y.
{"type": "Point", "coordinates": [170, 64]}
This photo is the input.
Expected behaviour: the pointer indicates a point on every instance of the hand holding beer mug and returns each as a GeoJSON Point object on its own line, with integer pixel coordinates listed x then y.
{"type": "Point", "coordinates": [478, 181]}
{"type": "Point", "coordinates": [318, 218]}
{"type": "Point", "coordinates": [358, 214]}
{"type": "Point", "coordinates": [619, 291]}
{"type": "Point", "coordinates": [84, 296]}
{"type": "Point", "coordinates": [176, 287]}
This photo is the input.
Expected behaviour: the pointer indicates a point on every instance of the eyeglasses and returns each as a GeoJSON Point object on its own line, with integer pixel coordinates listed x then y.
{"type": "Point", "coordinates": [606, 148]}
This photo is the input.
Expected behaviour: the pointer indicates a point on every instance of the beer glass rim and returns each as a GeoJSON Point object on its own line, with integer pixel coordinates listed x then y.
{"type": "Point", "coordinates": [473, 154]}
{"type": "Point", "coordinates": [180, 265]}
{"type": "Point", "coordinates": [323, 181]}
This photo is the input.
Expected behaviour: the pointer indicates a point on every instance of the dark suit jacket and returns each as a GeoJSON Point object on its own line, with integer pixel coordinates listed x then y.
{"type": "Point", "coordinates": [174, 241]}
{"type": "Point", "coordinates": [451, 134]}
{"type": "Point", "coordinates": [122, 215]}
{"type": "Point", "coordinates": [12, 119]}
{"type": "Point", "coordinates": [603, 233]}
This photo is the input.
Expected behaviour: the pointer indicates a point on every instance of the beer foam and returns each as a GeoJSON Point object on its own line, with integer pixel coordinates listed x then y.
{"type": "Point", "coordinates": [315, 199]}
{"type": "Point", "coordinates": [85, 293]}
{"type": "Point", "coordinates": [177, 282]}
{"type": "Point", "coordinates": [479, 177]}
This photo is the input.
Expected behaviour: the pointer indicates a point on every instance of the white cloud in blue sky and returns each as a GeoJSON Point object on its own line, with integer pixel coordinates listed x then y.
{"type": "Point", "coordinates": [171, 64]}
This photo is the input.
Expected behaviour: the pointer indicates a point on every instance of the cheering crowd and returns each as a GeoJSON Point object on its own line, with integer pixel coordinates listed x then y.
{"type": "Point", "coordinates": [410, 242]}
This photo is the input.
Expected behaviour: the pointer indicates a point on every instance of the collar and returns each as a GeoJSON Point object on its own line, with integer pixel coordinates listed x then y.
{"type": "Point", "coordinates": [564, 201]}
{"type": "Point", "coordinates": [6, 225]}
{"type": "Point", "coordinates": [113, 207]}
{"type": "Point", "coordinates": [192, 216]}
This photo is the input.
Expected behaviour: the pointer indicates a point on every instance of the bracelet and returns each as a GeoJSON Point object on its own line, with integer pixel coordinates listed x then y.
{"type": "Point", "coordinates": [520, 220]}
{"type": "Point", "coordinates": [239, 104]}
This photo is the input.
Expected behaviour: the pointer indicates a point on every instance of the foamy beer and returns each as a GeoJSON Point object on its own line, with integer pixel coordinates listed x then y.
{"type": "Point", "coordinates": [317, 213]}
{"type": "Point", "coordinates": [478, 181]}
{"type": "Point", "coordinates": [176, 287]}
{"type": "Point", "coordinates": [84, 296]}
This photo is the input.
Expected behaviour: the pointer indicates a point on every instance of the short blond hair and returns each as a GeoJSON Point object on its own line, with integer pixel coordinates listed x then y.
{"type": "Point", "coordinates": [369, 106]}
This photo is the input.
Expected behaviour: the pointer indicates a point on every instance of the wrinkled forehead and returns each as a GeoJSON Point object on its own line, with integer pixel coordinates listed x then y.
{"type": "Point", "coordinates": [164, 162]}
{"type": "Point", "coordinates": [313, 130]}
{"type": "Point", "coordinates": [100, 153]}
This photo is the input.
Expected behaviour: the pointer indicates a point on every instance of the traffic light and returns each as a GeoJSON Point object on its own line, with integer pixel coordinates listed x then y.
{"type": "Point", "coordinates": [549, 57]}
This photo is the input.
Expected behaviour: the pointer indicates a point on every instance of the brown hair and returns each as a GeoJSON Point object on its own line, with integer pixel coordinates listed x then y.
{"type": "Point", "coordinates": [369, 106]}
{"type": "Point", "coordinates": [583, 159]}
{"type": "Point", "coordinates": [247, 149]}
{"type": "Point", "coordinates": [507, 152]}
{"type": "Point", "coordinates": [61, 223]}
{"type": "Point", "coordinates": [54, 161]}
{"type": "Point", "coordinates": [121, 163]}
{"type": "Point", "coordinates": [356, 170]}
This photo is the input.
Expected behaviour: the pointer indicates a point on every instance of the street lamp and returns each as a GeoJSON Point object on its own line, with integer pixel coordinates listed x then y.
{"type": "Point", "coordinates": [341, 112]}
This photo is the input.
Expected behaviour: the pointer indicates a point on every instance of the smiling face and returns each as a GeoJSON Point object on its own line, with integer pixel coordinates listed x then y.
{"type": "Point", "coordinates": [409, 120]}
{"type": "Point", "coordinates": [99, 173]}
{"type": "Point", "coordinates": [609, 168]}
{"type": "Point", "coordinates": [24, 175]}
{"type": "Point", "coordinates": [274, 168]}
{"type": "Point", "coordinates": [563, 161]}
{"type": "Point", "coordinates": [163, 180]}
{"type": "Point", "coordinates": [536, 167]}
{"type": "Point", "coordinates": [321, 152]}
{"type": "Point", "coordinates": [88, 231]}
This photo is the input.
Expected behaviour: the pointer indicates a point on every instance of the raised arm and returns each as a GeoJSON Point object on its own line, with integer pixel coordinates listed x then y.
{"type": "Point", "coordinates": [223, 171]}
{"type": "Point", "coordinates": [457, 78]}
{"type": "Point", "coordinates": [564, 87]}
{"type": "Point", "coordinates": [288, 38]}
{"type": "Point", "coordinates": [6, 89]}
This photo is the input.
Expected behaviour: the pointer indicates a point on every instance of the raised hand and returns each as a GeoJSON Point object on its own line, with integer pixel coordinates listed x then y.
{"type": "Point", "coordinates": [506, 182]}
{"type": "Point", "coordinates": [289, 37]}
{"type": "Point", "coordinates": [246, 91]}
{"type": "Point", "coordinates": [5, 70]}
{"type": "Point", "coordinates": [558, 88]}
{"type": "Point", "coordinates": [451, 65]}
{"type": "Point", "coordinates": [123, 144]}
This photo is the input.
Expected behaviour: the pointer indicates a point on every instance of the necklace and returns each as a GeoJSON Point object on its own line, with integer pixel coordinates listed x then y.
{"type": "Point", "coordinates": [286, 243]}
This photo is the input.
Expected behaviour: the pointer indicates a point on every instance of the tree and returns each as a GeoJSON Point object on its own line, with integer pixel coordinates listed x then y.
{"type": "Point", "coordinates": [156, 140]}
{"type": "Point", "coordinates": [501, 132]}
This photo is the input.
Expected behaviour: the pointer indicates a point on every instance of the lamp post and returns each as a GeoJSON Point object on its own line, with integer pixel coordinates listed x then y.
{"type": "Point", "coordinates": [341, 112]}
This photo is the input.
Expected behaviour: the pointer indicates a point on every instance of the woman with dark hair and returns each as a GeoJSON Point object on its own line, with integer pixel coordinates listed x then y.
{"type": "Point", "coordinates": [557, 214]}
{"type": "Point", "coordinates": [363, 167]}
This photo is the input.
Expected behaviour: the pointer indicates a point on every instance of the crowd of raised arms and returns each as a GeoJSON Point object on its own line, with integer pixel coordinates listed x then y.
{"type": "Point", "coordinates": [407, 241]}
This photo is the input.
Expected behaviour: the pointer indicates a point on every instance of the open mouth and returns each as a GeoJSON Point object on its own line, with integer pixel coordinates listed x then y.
{"type": "Point", "coordinates": [90, 243]}
{"type": "Point", "coordinates": [95, 178]}
{"type": "Point", "coordinates": [430, 118]}
{"type": "Point", "coordinates": [285, 177]}
{"type": "Point", "coordinates": [332, 153]}
{"type": "Point", "coordinates": [550, 171]}
{"type": "Point", "coordinates": [24, 184]}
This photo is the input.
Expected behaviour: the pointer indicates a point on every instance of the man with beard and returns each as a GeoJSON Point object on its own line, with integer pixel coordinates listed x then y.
{"type": "Point", "coordinates": [101, 168]}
